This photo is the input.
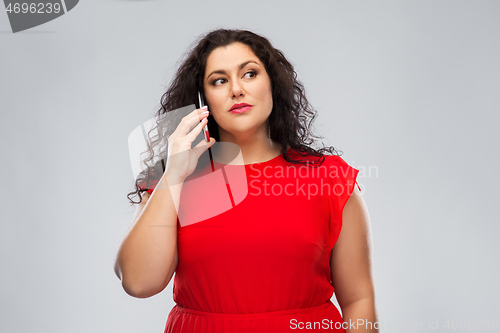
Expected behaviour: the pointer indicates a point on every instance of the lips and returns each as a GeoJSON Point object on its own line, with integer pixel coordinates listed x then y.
{"type": "Point", "coordinates": [240, 107]}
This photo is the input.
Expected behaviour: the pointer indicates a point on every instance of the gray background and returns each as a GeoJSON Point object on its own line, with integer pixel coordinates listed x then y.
{"type": "Point", "coordinates": [408, 87]}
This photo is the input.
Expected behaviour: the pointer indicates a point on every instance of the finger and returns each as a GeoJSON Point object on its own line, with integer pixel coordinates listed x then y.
{"type": "Point", "coordinates": [196, 130]}
{"type": "Point", "coordinates": [202, 146]}
{"type": "Point", "coordinates": [189, 122]}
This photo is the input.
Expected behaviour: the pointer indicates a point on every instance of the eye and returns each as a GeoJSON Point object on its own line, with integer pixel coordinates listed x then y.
{"type": "Point", "coordinates": [216, 82]}
{"type": "Point", "coordinates": [252, 74]}
{"type": "Point", "coordinates": [248, 75]}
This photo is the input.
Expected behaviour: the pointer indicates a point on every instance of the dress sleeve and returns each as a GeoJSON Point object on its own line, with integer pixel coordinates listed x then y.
{"type": "Point", "coordinates": [343, 179]}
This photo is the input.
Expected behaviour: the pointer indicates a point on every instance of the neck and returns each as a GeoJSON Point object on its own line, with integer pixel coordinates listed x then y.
{"type": "Point", "coordinates": [257, 147]}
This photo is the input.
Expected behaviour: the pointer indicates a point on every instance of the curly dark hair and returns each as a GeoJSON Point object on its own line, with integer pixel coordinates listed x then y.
{"type": "Point", "coordinates": [289, 123]}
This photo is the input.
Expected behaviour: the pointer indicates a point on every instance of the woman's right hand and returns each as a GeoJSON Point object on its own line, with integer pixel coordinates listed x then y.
{"type": "Point", "coordinates": [182, 159]}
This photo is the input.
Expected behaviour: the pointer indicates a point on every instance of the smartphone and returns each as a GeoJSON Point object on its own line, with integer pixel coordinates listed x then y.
{"type": "Point", "coordinates": [202, 104]}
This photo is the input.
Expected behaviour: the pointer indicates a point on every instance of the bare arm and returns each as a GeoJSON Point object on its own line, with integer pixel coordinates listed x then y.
{"type": "Point", "coordinates": [147, 257]}
{"type": "Point", "coordinates": [351, 266]}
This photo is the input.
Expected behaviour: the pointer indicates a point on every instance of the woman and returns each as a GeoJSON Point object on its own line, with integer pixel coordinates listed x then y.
{"type": "Point", "coordinates": [268, 262]}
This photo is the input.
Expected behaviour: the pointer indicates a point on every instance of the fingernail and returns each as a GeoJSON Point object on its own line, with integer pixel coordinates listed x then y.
{"type": "Point", "coordinates": [205, 107]}
{"type": "Point", "coordinates": [205, 112]}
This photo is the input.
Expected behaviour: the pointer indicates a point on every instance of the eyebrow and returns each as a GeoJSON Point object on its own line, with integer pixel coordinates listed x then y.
{"type": "Point", "coordinates": [221, 71]}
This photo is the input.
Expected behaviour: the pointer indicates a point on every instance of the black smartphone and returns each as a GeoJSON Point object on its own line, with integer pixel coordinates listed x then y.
{"type": "Point", "coordinates": [201, 104]}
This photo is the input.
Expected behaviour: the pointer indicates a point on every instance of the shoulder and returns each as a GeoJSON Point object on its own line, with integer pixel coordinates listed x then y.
{"type": "Point", "coordinates": [341, 172]}
{"type": "Point", "coordinates": [336, 164]}
{"type": "Point", "coordinates": [335, 159]}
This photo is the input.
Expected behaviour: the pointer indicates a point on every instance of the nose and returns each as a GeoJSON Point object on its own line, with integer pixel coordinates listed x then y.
{"type": "Point", "coordinates": [237, 89]}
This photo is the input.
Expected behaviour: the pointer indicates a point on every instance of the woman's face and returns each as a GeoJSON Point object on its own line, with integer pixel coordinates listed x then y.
{"type": "Point", "coordinates": [235, 75]}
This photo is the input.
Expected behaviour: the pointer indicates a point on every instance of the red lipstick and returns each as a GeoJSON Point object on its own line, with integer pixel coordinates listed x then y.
{"type": "Point", "coordinates": [239, 108]}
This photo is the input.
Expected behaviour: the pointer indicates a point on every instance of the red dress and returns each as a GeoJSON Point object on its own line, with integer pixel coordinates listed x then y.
{"type": "Point", "coordinates": [263, 265]}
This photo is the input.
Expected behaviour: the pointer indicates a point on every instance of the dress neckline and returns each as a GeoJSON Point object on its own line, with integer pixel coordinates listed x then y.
{"type": "Point", "coordinates": [256, 163]}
